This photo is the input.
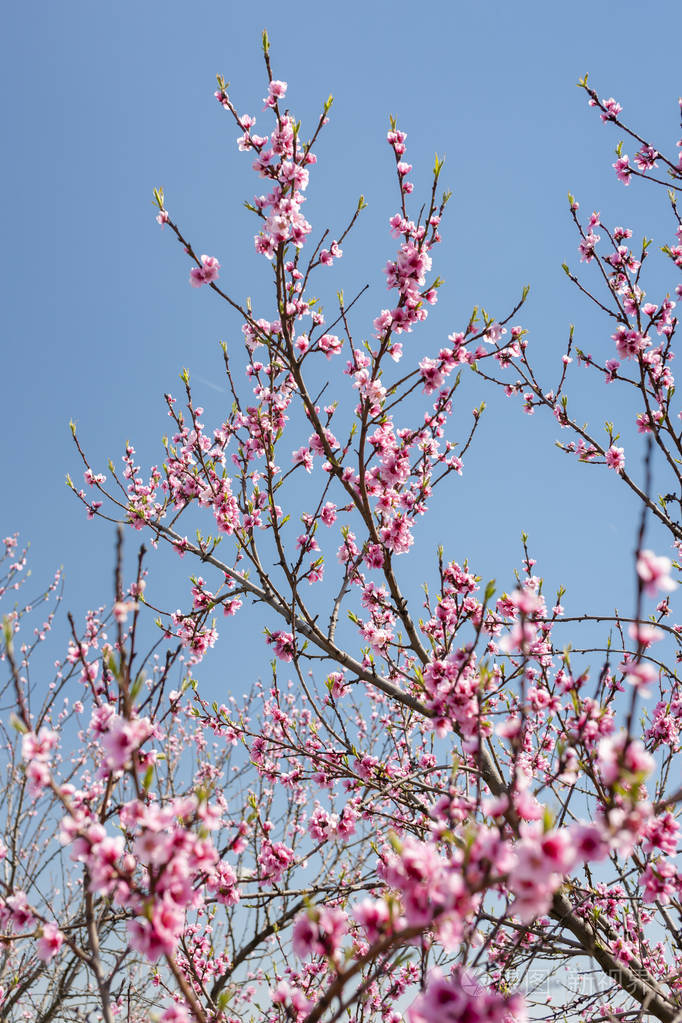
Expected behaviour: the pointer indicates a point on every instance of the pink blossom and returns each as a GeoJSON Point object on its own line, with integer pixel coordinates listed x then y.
{"type": "Point", "coordinates": [19, 910]}
{"type": "Point", "coordinates": [589, 841]}
{"type": "Point", "coordinates": [615, 458]}
{"type": "Point", "coordinates": [39, 747]}
{"type": "Point", "coordinates": [319, 931]}
{"type": "Point", "coordinates": [122, 609]}
{"type": "Point", "coordinates": [50, 941]}
{"type": "Point", "coordinates": [121, 738]}
{"type": "Point", "coordinates": [283, 645]}
{"type": "Point", "coordinates": [102, 856]}
{"type": "Point", "coordinates": [432, 374]}
{"type": "Point", "coordinates": [206, 273]}
{"type": "Point", "coordinates": [327, 256]}
{"type": "Point", "coordinates": [542, 860]}
{"type": "Point", "coordinates": [285, 994]}
{"type": "Point", "coordinates": [459, 998]}
{"type": "Point", "coordinates": [176, 1014]}
{"type": "Point", "coordinates": [276, 90]}
{"type": "Point", "coordinates": [587, 245]}
{"type": "Point", "coordinates": [303, 456]}
{"type": "Point", "coordinates": [612, 367]}
{"type": "Point", "coordinates": [223, 880]}
{"type": "Point", "coordinates": [330, 344]}
{"type": "Point", "coordinates": [159, 933]}
{"type": "Point", "coordinates": [611, 109]}
{"type": "Point", "coordinates": [645, 158]}
{"type": "Point", "coordinates": [274, 859]}
{"type": "Point", "coordinates": [304, 937]}
{"type": "Point", "coordinates": [659, 881]}
{"type": "Point", "coordinates": [328, 514]}
{"type": "Point", "coordinates": [629, 342]}
{"type": "Point", "coordinates": [639, 674]}
{"type": "Point", "coordinates": [373, 915]}
{"type": "Point", "coordinates": [621, 760]}
{"type": "Point", "coordinates": [38, 774]}
{"type": "Point", "coordinates": [494, 333]}
{"type": "Point", "coordinates": [93, 479]}
{"type": "Point", "coordinates": [36, 751]}
{"type": "Point", "coordinates": [432, 887]}
{"type": "Point", "coordinates": [622, 169]}
{"type": "Point", "coordinates": [655, 572]}
{"type": "Point", "coordinates": [662, 833]}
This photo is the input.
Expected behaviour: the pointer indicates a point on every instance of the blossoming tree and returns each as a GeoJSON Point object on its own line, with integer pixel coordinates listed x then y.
{"type": "Point", "coordinates": [430, 798]}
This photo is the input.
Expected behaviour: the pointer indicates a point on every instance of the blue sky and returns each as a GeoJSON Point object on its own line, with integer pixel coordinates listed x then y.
{"type": "Point", "coordinates": [106, 101]}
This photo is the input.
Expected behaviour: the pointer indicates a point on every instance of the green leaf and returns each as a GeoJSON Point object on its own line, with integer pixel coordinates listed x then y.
{"type": "Point", "coordinates": [137, 685]}
{"type": "Point", "coordinates": [17, 725]}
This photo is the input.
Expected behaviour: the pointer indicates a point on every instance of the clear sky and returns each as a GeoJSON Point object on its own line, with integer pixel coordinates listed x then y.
{"type": "Point", "coordinates": [104, 101]}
